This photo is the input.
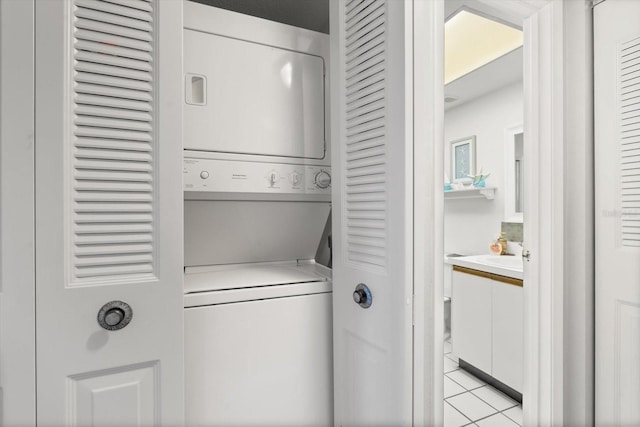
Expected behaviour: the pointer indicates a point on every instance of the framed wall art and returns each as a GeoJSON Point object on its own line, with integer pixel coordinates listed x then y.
{"type": "Point", "coordinates": [463, 158]}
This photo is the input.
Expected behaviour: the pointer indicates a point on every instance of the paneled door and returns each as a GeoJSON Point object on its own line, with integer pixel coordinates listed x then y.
{"type": "Point", "coordinates": [617, 179]}
{"type": "Point", "coordinates": [371, 60]}
{"type": "Point", "coordinates": [108, 212]}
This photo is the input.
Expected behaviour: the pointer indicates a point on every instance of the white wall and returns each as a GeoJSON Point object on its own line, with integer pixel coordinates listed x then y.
{"type": "Point", "coordinates": [471, 224]}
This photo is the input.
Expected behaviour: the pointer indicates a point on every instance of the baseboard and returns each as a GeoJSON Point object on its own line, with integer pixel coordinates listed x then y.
{"type": "Point", "coordinates": [514, 394]}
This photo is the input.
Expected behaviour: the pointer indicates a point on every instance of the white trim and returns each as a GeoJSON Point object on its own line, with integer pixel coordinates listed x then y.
{"type": "Point", "coordinates": [538, 393]}
{"type": "Point", "coordinates": [579, 214]}
{"type": "Point", "coordinates": [17, 281]}
{"type": "Point", "coordinates": [547, 387]}
{"type": "Point", "coordinates": [428, 128]}
{"type": "Point", "coordinates": [510, 214]}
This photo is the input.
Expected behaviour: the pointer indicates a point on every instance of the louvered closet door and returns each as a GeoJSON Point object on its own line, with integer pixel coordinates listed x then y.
{"type": "Point", "coordinates": [617, 153]}
{"type": "Point", "coordinates": [108, 211]}
{"type": "Point", "coordinates": [372, 204]}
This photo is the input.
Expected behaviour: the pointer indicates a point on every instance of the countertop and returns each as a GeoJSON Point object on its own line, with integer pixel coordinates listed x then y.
{"type": "Point", "coordinates": [503, 265]}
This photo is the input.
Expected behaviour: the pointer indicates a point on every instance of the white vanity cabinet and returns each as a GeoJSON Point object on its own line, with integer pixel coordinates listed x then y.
{"type": "Point", "coordinates": [487, 323]}
{"type": "Point", "coordinates": [507, 328]}
{"type": "Point", "coordinates": [471, 319]}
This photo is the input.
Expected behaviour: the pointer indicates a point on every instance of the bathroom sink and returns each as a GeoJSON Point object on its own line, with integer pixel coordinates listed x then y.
{"type": "Point", "coordinates": [504, 265]}
{"type": "Point", "coordinates": [504, 261]}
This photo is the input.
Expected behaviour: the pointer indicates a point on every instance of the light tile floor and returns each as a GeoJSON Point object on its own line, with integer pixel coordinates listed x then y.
{"type": "Point", "coordinates": [470, 401]}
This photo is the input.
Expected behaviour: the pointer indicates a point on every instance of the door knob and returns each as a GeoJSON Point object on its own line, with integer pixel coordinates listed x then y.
{"type": "Point", "coordinates": [362, 296]}
{"type": "Point", "coordinates": [115, 315]}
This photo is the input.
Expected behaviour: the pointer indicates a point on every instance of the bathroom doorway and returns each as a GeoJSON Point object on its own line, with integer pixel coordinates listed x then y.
{"type": "Point", "coordinates": [483, 218]}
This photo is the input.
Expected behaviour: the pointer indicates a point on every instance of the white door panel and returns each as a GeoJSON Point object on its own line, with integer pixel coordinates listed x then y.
{"type": "Point", "coordinates": [507, 327]}
{"type": "Point", "coordinates": [372, 228]}
{"type": "Point", "coordinates": [17, 205]}
{"type": "Point", "coordinates": [108, 211]}
{"type": "Point", "coordinates": [617, 153]}
{"type": "Point", "coordinates": [471, 316]}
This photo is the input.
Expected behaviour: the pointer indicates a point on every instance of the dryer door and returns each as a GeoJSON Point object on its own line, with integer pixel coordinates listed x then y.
{"type": "Point", "coordinates": [248, 98]}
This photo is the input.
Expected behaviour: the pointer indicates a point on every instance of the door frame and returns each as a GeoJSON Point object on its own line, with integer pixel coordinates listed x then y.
{"type": "Point", "coordinates": [565, 360]}
{"type": "Point", "coordinates": [558, 380]}
{"type": "Point", "coordinates": [17, 214]}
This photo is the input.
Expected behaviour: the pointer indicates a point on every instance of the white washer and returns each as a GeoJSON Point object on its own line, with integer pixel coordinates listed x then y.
{"type": "Point", "coordinates": [258, 317]}
{"type": "Point", "coordinates": [257, 181]}
{"type": "Point", "coordinates": [258, 345]}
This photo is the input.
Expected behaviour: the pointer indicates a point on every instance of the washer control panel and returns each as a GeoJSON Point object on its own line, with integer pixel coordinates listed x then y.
{"type": "Point", "coordinates": [253, 177]}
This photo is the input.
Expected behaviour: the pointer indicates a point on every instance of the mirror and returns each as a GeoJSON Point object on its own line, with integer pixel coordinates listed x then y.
{"type": "Point", "coordinates": [514, 173]}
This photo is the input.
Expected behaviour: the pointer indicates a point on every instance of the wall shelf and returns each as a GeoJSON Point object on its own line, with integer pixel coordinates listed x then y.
{"type": "Point", "coordinates": [471, 193]}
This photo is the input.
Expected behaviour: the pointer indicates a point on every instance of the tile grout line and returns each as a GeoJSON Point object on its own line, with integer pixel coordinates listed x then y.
{"type": "Point", "coordinates": [468, 389]}
{"type": "Point", "coordinates": [454, 395]}
{"type": "Point", "coordinates": [473, 421]}
{"type": "Point", "coordinates": [510, 417]}
{"type": "Point", "coordinates": [510, 407]}
{"type": "Point", "coordinates": [461, 413]}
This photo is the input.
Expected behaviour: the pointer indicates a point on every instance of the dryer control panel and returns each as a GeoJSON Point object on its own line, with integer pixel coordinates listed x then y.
{"type": "Point", "coordinates": [225, 176]}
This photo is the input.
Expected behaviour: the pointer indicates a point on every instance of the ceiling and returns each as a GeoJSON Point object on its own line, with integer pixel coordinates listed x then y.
{"type": "Point", "coordinates": [502, 72]}
{"type": "Point", "coordinates": [499, 73]}
{"type": "Point", "coordinates": [309, 14]}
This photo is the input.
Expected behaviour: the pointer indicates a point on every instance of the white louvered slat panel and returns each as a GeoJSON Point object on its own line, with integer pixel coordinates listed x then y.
{"type": "Point", "coordinates": [125, 104]}
{"type": "Point", "coordinates": [113, 40]}
{"type": "Point", "coordinates": [110, 18]}
{"type": "Point", "coordinates": [114, 204]}
{"type": "Point", "coordinates": [114, 9]}
{"type": "Point", "coordinates": [89, 169]}
{"type": "Point", "coordinates": [113, 144]}
{"type": "Point", "coordinates": [87, 207]}
{"type": "Point", "coordinates": [116, 82]}
{"type": "Point", "coordinates": [111, 91]}
{"type": "Point", "coordinates": [365, 186]}
{"type": "Point", "coordinates": [112, 239]}
{"type": "Point", "coordinates": [128, 73]}
{"type": "Point", "coordinates": [92, 250]}
{"type": "Point", "coordinates": [115, 50]}
{"type": "Point", "coordinates": [629, 95]}
{"type": "Point", "coordinates": [117, 30]}
{"type": "Point", "coordinates": [91, 57]}
{"type": "Point", "coordinates": [136, 4]}
{"type": "Point", "coordinates": [113, 113]}
{"type": "Point", "coordinates": [106, 133]}
{"type": "Point", "coordinates": [129, 156]}
{"type": "Point", "coordinates": [110, 229]}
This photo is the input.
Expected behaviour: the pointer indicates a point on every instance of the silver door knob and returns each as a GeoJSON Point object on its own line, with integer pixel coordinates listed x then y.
{"type": "Point", "coordinates": [115, 315]}
{"type": "Point", "coordinates": [362, 296]}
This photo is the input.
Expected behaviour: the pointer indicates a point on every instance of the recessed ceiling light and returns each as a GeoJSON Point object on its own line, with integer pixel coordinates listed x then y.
{"type": "Point", "coordinates": [472, 41]}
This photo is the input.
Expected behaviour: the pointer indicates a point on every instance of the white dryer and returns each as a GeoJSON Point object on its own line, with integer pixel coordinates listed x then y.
{"type": "Point", "coordinates": [257, 181]}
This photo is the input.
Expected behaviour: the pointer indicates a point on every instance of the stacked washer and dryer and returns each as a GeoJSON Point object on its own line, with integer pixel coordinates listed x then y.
{"type": "Point", "coordinates": [257, 181]}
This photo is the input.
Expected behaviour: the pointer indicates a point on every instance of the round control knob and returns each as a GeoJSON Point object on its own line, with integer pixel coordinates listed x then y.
{"type": "Point", "coordinates": [362, 296]}
{"type": "Point", "coordinates": [323, 179]}
{"type": "Point", "coordinates": [204, 174]}
{"type": "Point", "coordinates": [272, 178]}
{"type": "Point", "coordinates": [113, 316]}
{"type": "Point", "coordinates": [359, 296]}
